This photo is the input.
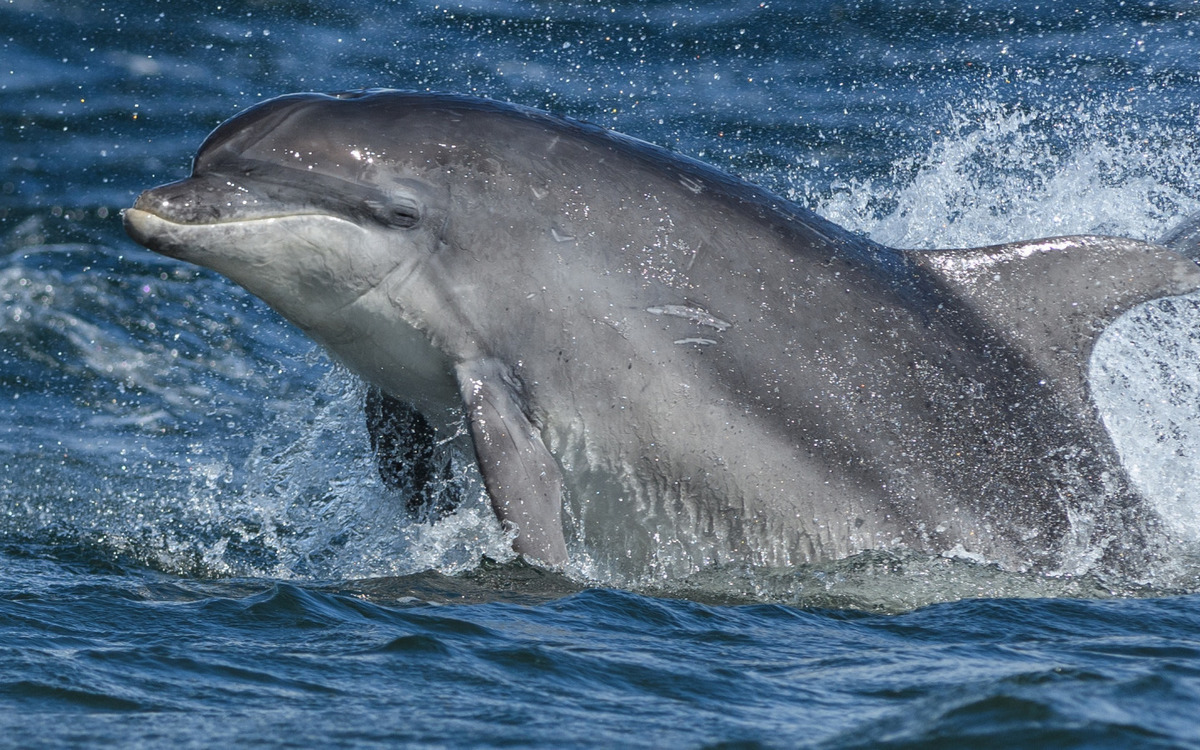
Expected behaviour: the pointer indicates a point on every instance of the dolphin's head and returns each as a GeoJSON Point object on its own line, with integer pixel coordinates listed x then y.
{"type": "Point", "coordinates": [329, 209]}
{"type": "Point", "coordinates": [303, 200]}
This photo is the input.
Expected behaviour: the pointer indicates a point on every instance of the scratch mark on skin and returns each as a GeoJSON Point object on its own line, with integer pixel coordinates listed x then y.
{"type": "Point", "coordinates": [697, 315]}
{"type": "Point", "coordinates": [692, 260]}
{"type": "Point", "coordinates": [691, 184]}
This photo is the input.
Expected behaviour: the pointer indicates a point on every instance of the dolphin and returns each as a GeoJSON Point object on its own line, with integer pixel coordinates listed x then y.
{"type": "Point", "coordinates": [663, 367]}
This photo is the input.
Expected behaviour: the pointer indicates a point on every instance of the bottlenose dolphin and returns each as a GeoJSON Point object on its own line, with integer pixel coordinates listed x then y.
{"type": "Point", "coordinates": [698, 371]}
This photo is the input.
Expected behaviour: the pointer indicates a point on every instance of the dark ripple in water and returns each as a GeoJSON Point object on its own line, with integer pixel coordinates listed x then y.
{"type": "Point", "coordinates": [296, 664]}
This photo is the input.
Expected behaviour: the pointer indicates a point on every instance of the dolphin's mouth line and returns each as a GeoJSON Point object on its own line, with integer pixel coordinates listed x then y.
{"type": "Point", "coordinates": [225, 222]}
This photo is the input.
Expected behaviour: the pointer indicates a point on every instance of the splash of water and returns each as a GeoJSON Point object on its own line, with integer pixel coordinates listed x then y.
{"type": "Point", "coordinates": [997, 174]}
{"type": "Point", "coordinates": [307, 502]}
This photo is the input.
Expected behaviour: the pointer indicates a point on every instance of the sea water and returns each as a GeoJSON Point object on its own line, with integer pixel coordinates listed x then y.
{"type": "Point", "coordinates": [195, 549]}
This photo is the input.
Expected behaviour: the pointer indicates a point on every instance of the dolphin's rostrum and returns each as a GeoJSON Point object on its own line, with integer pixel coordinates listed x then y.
{"type": "Point", "coordinates": [700, 372]}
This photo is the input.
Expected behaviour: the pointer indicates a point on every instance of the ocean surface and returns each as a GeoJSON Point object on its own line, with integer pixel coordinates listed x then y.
{"type": "Point", "coordinates": [195, 549]}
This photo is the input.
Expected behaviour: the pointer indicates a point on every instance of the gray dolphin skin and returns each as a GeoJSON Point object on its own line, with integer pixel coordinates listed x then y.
{"type": "Point", "coordinates": [664, 368]}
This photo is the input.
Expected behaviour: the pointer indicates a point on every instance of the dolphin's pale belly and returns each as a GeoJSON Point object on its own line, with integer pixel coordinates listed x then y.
{"type": "Point", "coordinates": [716, 482]}
{"type": "Point", "coordinates": [658, 512]}
{"type": "Point", "coordinates": [690, 463]}
{"type": "Point", "coordinates": [384, 350]}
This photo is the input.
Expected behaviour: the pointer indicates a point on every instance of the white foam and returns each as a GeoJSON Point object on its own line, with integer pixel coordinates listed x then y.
{"type": "Point", "coordinates": [1145, 380]}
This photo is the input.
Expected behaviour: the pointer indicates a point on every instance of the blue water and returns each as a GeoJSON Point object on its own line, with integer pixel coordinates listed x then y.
{"type": "Point", "coordinates": [96, 655]}
{"type": "Point", "coordinates": [195, 548]}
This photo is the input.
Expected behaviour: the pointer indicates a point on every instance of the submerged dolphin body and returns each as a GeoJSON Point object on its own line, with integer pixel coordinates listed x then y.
{"type": "Point", "coordinates": [699, 371]}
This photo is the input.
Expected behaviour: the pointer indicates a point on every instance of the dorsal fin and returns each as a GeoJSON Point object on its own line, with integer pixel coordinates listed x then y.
{"type": "Point", "coordinates": [1050, 299]}
{"type": "Point", "coordinates": [1184, 237]}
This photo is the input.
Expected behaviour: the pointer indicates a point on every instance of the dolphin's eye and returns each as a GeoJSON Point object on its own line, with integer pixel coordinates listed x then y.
{"type": "Point", "coordinates": [399, 214]}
